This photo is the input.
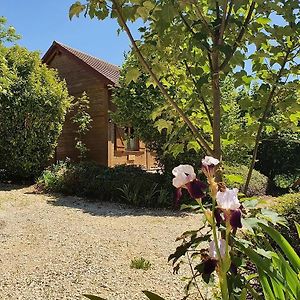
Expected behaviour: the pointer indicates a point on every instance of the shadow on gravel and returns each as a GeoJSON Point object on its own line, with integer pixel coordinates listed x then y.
{"type": "Point", "coordinates": [107, 209]}
{"type": "Point", "coordinates": [12, 187]}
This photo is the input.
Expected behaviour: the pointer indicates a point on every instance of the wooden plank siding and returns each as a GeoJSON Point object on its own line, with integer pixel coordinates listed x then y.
{"type": "Point", "coordinates": [80, 79]}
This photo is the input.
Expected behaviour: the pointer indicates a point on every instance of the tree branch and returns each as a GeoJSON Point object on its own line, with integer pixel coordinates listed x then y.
{"type": "Point", "coordinates": [224, 17]}
{"type": "Point", "coordinates": [263, 120]}
{"type": "Point", "coordinates": [200, 16]}
{"type": "Point", "coordinates": [229, 13]}
{"type": "Point", "coordinates": [197, 134]}
{"type": "Point", "coordinates": [187, 25]}
{"type": "Point", "coordinates": [239, 37]}
{"type": "Point", "coordinates": [199, 93]}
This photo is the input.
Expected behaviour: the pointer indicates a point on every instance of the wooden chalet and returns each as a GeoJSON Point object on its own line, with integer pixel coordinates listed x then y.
{"type": "Point", "coordinates": [106, 142]}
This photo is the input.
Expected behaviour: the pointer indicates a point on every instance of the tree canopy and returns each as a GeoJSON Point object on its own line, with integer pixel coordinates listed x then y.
{"type": "Point", "coordinates": [33, 104]}
{"type": "Point", "coordinates": [190, 46]}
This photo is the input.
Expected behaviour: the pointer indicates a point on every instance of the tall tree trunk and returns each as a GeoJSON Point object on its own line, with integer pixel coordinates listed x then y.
{"type": "Point", "coordinates": [216, 104]}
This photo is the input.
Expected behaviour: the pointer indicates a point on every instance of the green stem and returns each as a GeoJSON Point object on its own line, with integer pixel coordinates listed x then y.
{"type": "Point", "coordinates": [224, 286]}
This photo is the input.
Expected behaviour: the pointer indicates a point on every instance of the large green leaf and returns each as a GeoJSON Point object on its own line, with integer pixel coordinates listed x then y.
{"type": "Point", "coordinates": [284, 245]}
{"type": "Point", "coordinates": [267, 289]}
{"type": "Point", "coordinates": [298, 228]}
{"type": "Point", "coordinates": [152, 296]}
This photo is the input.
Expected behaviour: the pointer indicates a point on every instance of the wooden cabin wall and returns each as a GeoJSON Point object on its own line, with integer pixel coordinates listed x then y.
{"type": "Point", "coordinates": [79, 79]}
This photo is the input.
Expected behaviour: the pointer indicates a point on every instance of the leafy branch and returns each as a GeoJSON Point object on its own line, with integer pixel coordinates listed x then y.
{"type": "Point", "coordinates": [264, 118]}
{"type": "Point", "coordinates": [199, 137]}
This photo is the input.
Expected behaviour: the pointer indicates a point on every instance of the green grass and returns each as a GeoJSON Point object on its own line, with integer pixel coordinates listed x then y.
{"type": "Point", "coordinates": [140, 263]}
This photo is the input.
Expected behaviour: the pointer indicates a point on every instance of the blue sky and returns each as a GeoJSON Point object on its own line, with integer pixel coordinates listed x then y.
{"type": "Point", "coordinates": [41, 21]}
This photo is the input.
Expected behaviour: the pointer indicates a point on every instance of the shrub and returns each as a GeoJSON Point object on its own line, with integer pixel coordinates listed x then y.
{"type": "Point", "coordinates": [235, 176]}
{"type": "Point", "coordinates": [288, 206]}
{"type": "Point", "coordinates": [286, 181]}
{"type": "Point", "coordinates": [33, 104]}
{"type": "Point", "coordinates": [127, 184]}
{"type": "Point", "coordinates": [278, 158]}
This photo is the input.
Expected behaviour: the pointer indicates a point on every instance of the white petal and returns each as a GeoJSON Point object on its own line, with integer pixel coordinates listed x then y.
{"type": "Point", "coordinates": [228, 199]}
{"type": "Point", "coordinates": [180, 180]}
{"type": "Point", "coordinates": [187, 169]}
{"type": "Point", "coordinates": [209, 161]}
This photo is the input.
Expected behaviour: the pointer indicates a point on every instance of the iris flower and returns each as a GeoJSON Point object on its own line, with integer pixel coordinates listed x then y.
{"type": "Point", "coordinates": [185, 177]}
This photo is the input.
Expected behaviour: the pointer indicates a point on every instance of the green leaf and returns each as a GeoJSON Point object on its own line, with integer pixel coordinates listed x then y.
{"type": "Point", "coordinates": [265, 285]}
{"type": "Point", "coordinates": [92, 297]}
{"type": "Point", "coordinates": [284, 245]}
{"type": "Point", "coordinates": [76, 9]}
{"type": "Point", "coordinates": [177, 149]}
{"type": "Point", "coordinates": [132, 74]}
{"type": "Point", "coordinates": [298, 228]}
{"type": "Point", "coordinates": [161, 124]}
{"type": "Point", "coordinates": [152, 296]}
{"type": "Point", "coordinates": [193, 145]}
{"type": "Point", "coordinates": [263, 20]}
{"type": "Point", "coordinates": [272, 217]}
{"type": "Point", "coordinates": [234, 178]}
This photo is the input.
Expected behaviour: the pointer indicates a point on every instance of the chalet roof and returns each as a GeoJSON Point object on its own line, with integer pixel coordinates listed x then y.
{"type": "Point", "coordinates": [110, 71]}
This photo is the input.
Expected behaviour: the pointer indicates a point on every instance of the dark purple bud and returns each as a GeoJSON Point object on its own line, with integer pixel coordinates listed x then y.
{"type": "Point", "coordinates": [196, 188]}
{"type": "Point", "coordinates": [178, 195]}
{"type": "Point", "coordinates": [235, 218]}
{"type": "Point", "coordinates": [209, 265]}
{"type": "Point", "coordinates": [218, 216]}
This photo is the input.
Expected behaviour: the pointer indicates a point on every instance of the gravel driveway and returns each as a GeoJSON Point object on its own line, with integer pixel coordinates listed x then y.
{"type": "Point", "coordinates": [61, 247]}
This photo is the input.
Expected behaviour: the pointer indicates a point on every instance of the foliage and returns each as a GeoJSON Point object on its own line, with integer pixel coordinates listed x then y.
{"type": "Point", "coordinates": [278, 158]}
{"type": "Point", "coordinates": [235, 176]}
{"type": "Point", "coordinates": [140, 263]}
{"type": "Point", "coordinates": [127, 184]}
{"type": "Point", "coordinates": [135, 102]}
{"type": "Point", "coordinates": [277, 270]}
{"type": "Point", "coordinates": [7, 34]}
{"type": "Point", "coordinates": [138, 103]}
{"type": "Point", "coordinates": [82, 119]}
{"type": "Point", "coordinates": [33, 104]}
{"type": "Point", "coordinates": [189, 47]}
{"type": "Point", "coordinates": [289, 207]}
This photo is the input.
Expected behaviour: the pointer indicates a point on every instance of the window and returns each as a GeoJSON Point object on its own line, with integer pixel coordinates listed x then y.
{"type": "Point", "coordinates": [125, 140]}
{"type": "Point", "coordinates": [132, 142]}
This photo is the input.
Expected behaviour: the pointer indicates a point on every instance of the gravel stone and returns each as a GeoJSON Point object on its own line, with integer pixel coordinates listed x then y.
{"type": "Point", "coordinates": [56, 247]}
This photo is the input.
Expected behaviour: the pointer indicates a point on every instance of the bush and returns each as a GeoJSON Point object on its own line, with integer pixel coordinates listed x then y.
{"type": "Point", "coordinates": [33, 104]}
{"type": "Point", "coordinates": [127, 184]}
{"type": "Point", "coordinates": [278, 158]}
{"type": "Point", "coordinates": [235, 176]}
{"type": "Point", "coordinates": [288, 206]}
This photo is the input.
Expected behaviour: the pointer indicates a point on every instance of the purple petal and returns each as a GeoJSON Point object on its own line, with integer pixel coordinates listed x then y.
{"type": "Point", "coordinates": [178, 195]}
{"type": "Point", "coordinates": [209, 266]}
{"type": "Point", "coordinates": [218, 216]}
{"type": "Point", "coordinates": [196, 188]}
{"type": "Point", "coordinates": [235, 218]}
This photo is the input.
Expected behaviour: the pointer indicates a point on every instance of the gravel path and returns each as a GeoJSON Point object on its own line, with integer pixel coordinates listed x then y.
{"type": "Point", "coordinates": [61, 247]}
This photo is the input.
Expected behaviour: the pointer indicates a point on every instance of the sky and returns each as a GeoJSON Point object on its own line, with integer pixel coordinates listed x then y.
{"type": "Point", "coordinates": [40, 22]}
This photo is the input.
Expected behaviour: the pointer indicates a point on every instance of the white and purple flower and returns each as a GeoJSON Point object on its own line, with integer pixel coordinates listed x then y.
{"type": "Point", "coordinates": [185, 177]}
{"type": "Point", "coordinates": [229, 204]}
{"type": "Point", "coordinates": [208, 165]}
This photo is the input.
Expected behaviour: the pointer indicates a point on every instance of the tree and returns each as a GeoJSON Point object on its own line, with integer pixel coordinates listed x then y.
{"type": "Point", "coordinates": [7, 34]}
{"type": "Point", "coordinates": [82, 119]}
{"type": "Point", "coordinates": [139, 105]}
{"type": "Point", "coordinates": [33, 104]}
{"type": "Point", "coordinates": [212, 39]}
